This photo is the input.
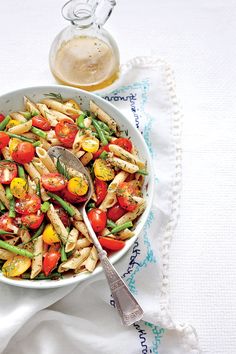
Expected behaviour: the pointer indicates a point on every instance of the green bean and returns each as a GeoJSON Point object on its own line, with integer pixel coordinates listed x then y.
{"type": "Point", "coordinates": [42, 276]}
{"type": "Point", "coordinates": [37, 234]}
{"type": "Point", "coordinates": [111, 223]}
{"type": "Point", "coordinates": [63, 254]}
{"type": "Point", "coordinates": [36, 143]}
{"type": "Point", "coordinates": [10, 197]}
{"type": "Point", "coordinates": [100, 132]}
{"type": "Point", "coordinates": [27, 115]}
{"type": "Point", "coordinates": [2, 206]}
{"type": "Point", "coordinates": [80, 121]}
{"type": "Point", "coordinates": [103, 155]}
{"type": "Point", "coordinates": [15, 249]}
{"type": "Point", "coordinates": [5, 122]}
{"type": "Point", "coordinates": [64, 204]}
{"type": "Point", "coordinates": [34, 113]}
{"type": "Point", "coordinates": [121, 227]}
{"type": "Point", "coordinates": [44, 207]}
{"type": "Point", "coordinates": [21, 172]}
{"type": "Point", "coordinates": [3, 232]}
{"type": "Point", "coordinates": [20, 137]}
{"type": "Point", "coordinates": [105, 127]}
{"type": "Point", "coordinates": [90, 205]}
{"type": "Point", "coordinates": [142, 172]}
{"type": "Point", "coordinates": [39, 132]}
{"type": "Point", "coordinates": [38, 188]}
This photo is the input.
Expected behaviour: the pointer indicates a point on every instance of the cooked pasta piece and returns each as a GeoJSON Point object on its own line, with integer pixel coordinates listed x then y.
{"type": "Point", "coordinates": [60, 107]}
{"type": "Point", "coordinates": [59, 116]}
{"type": "Point", "coordinates": [6, 153]}
{"type": "Point", "coordinates": [125, 155]}
{"type": "Point", "coordinates": [46, 159]}
{"type": "Point", "coordinates": [78, 141]}
{"type": "Point", "coordinates": [86, 158]}
{"type": "Point", "coordinates": [5, 255]}
{"type": "Point", "coordinates": [37, 261]}
{"type": "Point", "coordinates": [87, 122]}
{"type": "Point", "coordinates": [72, 239]}
{"type": "Point", "coordinates": [123, 165]}
{"type": "Point", "coordinates": [132, 215]}
{"type": "Point", "coordinates": [77, 215]}
{"type": "Point", "coordinates": [44, 143]}
{"type": "Point", "coordinates": [47, 114]}
{"type": "Point", "coordinates": [82, 243]}
{"type": "Point", "coordinates": [3, 197]}
{"type": "Point", "coordinates": [80, 225]}
{"type": "Point", "coordinates": [106, 232]}
{"type": "Point", "coordinates": [119, 178]}
{"type": "Point", "coordinates": [24, 235]}
{"type": "Point", "coordinates": [77, 259]}
{"type": "Point", "coordinates": [40, 167]}
{"type": "Point", "coordinates": [109, 201]}
{"type": "Point", "coordinates": [30, 106]}
{"type": "Point", "coordinates": [30, 135]}
{"type": "Point", "coordinates": [103, 116]}
{"type": "Point", "coordinates": [18, 116]}
{"type": "Point", "coordinates": [91, 262]}
{"type": "Point", "coordinates": [31, 186]}
{"type": "Point", "coordinates": [57, 224]}
{"type": "Point", "coordinates": [13, 240]}
{"type": "Point", "coordinates": [21, 128]}
{"type": "Point", "coordinates": [125, 234]}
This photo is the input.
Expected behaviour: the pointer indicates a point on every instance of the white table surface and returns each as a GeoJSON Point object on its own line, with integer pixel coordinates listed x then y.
{"type": "Point", "coordinates": [198, 38]}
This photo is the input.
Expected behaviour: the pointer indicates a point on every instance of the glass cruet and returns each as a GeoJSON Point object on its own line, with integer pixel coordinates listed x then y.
{"type": "Point", "coordinates": [84, 54]}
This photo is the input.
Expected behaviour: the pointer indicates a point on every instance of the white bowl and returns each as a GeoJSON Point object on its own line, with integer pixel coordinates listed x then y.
{"type": "Point", "coordinates": [13, 101]}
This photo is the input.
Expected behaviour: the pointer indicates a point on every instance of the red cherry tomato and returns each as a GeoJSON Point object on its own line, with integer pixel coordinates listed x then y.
{"type": "Point", "coordinates": [29, 205]}
{"type": "Point", "coordinates": [51, 259]}
{"type": "Point", "coordinates": [98, 153]}
{"type": "Point", "coordinates": [4, 140]}
{"type": "Point", "coordinates": [66, 131]}
{"type": "Point", "coordinates": [124, 143]}
{"type": "Point", "coordinates": [23, 153]}
{"type": "Point", "coordinates": [115, 212]}
{"type": "Point", "coordinates": [41, 123]}
{"type": "Point", "coordinates": [125, 192]}
{"type": "Point", "coordinates": [111, 244]}
{"type": "Point", "coordinates": [100, 190]}
{"type": "Point", "coordinates": [63, 216]}
{"type": "Point", "coordinates": [53, 182]}
{"type": "Point", "coordinates": [98, 219]}
{"type": "Point", "coordinates": [32, 221]}
{"type": "Point", "coordinates": [8, 171]}
{"type": "Point", "coordinates": [72, 198]}
{"type": "Point", "coordinates": [6, 223]}
{"type": "Point", "coordinates": [1, 117]}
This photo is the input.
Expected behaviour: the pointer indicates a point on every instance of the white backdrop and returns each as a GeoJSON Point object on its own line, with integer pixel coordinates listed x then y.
{"type": "Point", "coordinates": [198, 38]}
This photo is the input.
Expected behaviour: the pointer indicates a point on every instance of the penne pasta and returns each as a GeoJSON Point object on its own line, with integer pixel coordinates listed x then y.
{"type": "Point", "coordinates": [119, 178]}
{"type": "Point", "coordinates": [103, 116]}
{"type": "Point", "coordinates": [47, 114]}
{"type": "Point", "coordinates": [37, 260]}
{"type": "Point", "coordinates": [40, 167]}
{"type": "Point", "coordinates": [125, 155]}
{"type": "Point", "coordinates": [91, 262]}
{"type": "Point", "coordinates": [125, 234]}
{"type": "Point", "coordinates": [123, 165]}
{"type": "Point", "coordinates": [81, 227]}
{"type": "Point", "coordinates": [30, 106]}
{"type": "Point", "coordinates": [6, 153]}
{"type": "Point", "coordinates": [109, 201]}
{"type": "Point", "coordinates": [86, 158]}
{"type": "Point", "coordinates": [82, 243]}
{"type": "Point", "coordinates": [72, 239]}
{"type": "Point", "coordinates": [3, 197]}
{"type": "Point", "coordinates": [5, 255]}
{"type": "Point", "coordinates": [132, 215]}
{"type": "Point", "coordinates": [44, 143]}
{"type": "Point", "coordinates": [75, 261]}
{"type": "Point", "coordinates": [18, 116]}
{"type": "Point", "coordinates": [21, 128]}
{"type": "Point", "coordinates": [60, 107]}
{"type": "Point", "coordinates": [57, 224]}
{"type": "Point", "coordinates": [59, 116]}
{"type": "Point", "coordinates": [46, 159]}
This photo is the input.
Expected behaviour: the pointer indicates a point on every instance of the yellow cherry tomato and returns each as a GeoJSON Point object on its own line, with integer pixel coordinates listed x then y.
{"type": "Point", "coordinates": [102, 171]}
{"type": "Point", "coordinates": [49, 235]}
{"type": "Point", "coordinates": [13, 144]}
{"type": "Point", "coordinates": [78, 185]}
{"type": "Point", "coordinates": [12, 123]}
{"type": "Point", "coordinates": [16, 266]}
{"type": "Point", "coordinates": [90, 144]}
{"type": "Point", "coordinates": [18, 187]}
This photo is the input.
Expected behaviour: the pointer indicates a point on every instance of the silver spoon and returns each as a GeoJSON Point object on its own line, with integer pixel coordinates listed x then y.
{"type": "Point", "coordinates": [127, 306]}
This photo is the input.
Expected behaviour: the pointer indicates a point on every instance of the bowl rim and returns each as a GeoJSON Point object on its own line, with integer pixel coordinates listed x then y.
{"type": "Point", "coordinates": [76, 279]}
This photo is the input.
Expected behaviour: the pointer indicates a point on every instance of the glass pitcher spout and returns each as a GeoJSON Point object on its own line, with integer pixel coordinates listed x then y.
{"type": "Point", "coordinates": [87, 12]}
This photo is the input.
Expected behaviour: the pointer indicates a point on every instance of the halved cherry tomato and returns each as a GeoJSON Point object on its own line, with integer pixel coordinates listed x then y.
{"type": "Point", "coordinates": [32, 221]}
{"type": "Point", "coordinates": [125, 193]}
{"type": "Point", "coordinates": [8, 171]}
{"type": "Point", "coordinates": [115, 212]}
{"type": "Point", "coordinates": [7, 223]}
{"type": "Point", "coordinates": [1, 117]}
{"type": "Point", "coordinates": [124, 143]}
{"type": "Point", "coordinates": [41, 123]}
{"type": "Point", "coordinates": [98, 219]}
{"type": "Point", "coordinates": [111, 244]}
{"type": "Point", "coordinates": [4, 140]}
{"type": "Point", "coordinates": [98, 153]}
{"type": "Point", "coordinates": [29, 205]}
{"type": "Point", "coordinates": [78, 185]}
{"type": "Point", "coordinates": [23, 152]}
{"type": "Point", "coordinates": [100, 190]}
{"type": "Point", "coordinates": [53, 182]}
{"type": "Point", "coordinates": [63, 216]}
{"type": "Point", "coordinates": [66, 131]}
{"type": "Point", "coordinates": [51, 259]}
{"type": "Point", "coordinates": [72, 198]}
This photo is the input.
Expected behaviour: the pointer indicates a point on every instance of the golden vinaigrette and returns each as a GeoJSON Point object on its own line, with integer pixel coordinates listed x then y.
{"type": "Point", "coordinates": [86, 62]}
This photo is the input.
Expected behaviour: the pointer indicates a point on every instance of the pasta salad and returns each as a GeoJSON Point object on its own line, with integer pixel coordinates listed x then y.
{"type": "Point", "coordinates": [42, 233]}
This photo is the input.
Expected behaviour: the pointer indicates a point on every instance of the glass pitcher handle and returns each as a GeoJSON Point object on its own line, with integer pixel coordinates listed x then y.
{"type": "Point", "coordinates": [103, 11]}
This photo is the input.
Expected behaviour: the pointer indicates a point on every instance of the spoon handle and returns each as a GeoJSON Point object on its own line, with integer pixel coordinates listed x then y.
{"type": "Point", "coordinates": [126, 304]}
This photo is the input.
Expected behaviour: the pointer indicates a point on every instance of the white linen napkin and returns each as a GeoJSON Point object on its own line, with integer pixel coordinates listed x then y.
{"type": "Point", "coordinates": [81, 319]}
